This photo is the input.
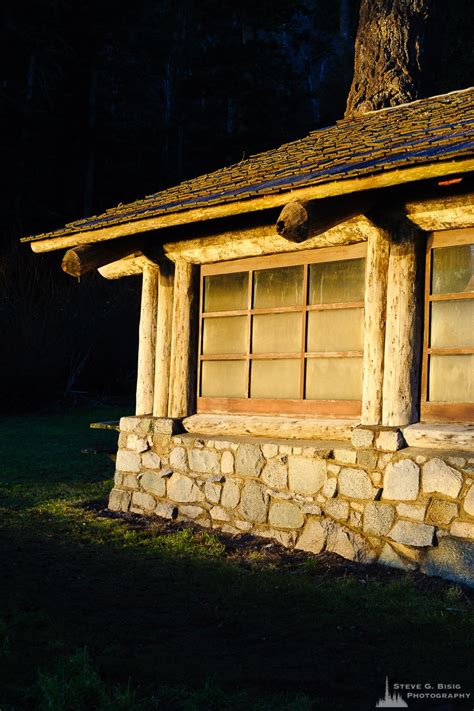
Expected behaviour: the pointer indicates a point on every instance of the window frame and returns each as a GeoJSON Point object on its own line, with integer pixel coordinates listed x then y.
{"type": "Point", "coordinates": [278, 406]}
{"type": "Point", "coordinates": [436, 411]}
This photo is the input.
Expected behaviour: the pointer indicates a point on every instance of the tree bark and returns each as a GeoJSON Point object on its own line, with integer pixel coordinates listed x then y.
{"type": "Point", "coordinates": [388, 53]}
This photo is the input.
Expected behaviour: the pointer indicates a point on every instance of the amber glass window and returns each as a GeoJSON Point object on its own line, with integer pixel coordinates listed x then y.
{"type": "Point", "coordinates": [283, 334]}
{"type": "Point", "coordinates": [448, 363]}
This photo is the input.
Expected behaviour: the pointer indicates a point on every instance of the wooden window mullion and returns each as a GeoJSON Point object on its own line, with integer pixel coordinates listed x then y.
{"type": "Point", "coordinates": [334, 354]}
{"type": "Point", "coordinates": [201, 304]}
{"type": "Point", "coordinates": [467, 350]}
{"type": "Point", "coordinates": [333, 307]}
{"type": "Point", "coordinates": [304, 322]}
{"type": "Point", "coordinates": [462, 295]}
{"type": "Point", "coordinates": [249, 332]}
{"type": "Point", "coordinates": [426, 330]}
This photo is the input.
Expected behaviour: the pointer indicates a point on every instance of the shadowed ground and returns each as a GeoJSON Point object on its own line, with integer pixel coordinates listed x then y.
{"type": "Point", "coordinates": [174, 617]}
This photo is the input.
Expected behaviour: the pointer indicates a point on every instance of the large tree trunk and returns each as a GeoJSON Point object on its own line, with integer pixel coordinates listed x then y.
{"type": "Point", "coordinates": [388, 51]}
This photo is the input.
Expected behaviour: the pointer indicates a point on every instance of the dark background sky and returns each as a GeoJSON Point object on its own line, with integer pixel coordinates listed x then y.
{"type": "Point", "coordinates": [102, 103]}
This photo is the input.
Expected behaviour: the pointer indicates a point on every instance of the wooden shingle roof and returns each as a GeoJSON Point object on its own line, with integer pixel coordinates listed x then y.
{"type": "Point", "coordinates": [424, 132]}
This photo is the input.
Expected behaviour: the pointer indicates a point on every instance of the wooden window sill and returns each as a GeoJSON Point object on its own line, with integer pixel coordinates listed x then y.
{"type": "Point", "coordinates": [281, 427]}
{"type": "Point", "coordinates": [440, 436]}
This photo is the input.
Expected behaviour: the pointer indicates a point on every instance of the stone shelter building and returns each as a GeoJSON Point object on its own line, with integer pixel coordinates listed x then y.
{"type": "Point", "coordinates": [306, 345]}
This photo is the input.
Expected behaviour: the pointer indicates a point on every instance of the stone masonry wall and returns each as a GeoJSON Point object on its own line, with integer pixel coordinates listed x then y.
{"type": "Point", "coordinates": [410, 509]}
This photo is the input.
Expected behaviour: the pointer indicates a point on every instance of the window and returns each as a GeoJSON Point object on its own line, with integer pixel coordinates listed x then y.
{"type": "Point", "coordinates": [448, 354]}
{"type": "Point", "coordinates": [283, 334]}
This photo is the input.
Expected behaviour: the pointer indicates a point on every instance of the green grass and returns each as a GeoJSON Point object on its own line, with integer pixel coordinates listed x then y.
{"type": "Point", "coordinates": [103, 613]}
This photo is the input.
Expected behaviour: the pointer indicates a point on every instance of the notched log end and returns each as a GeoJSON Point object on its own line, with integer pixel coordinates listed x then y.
{"type": "Point", "coordinates": [292, 224]}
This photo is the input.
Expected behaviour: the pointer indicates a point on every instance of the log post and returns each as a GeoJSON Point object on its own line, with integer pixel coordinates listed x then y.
{"type": "Point", "coordinates": [377, 261]}
{"type": "Point", "coordinates": [182, 377]}
{"type": "Point", "coordinates": [146, 342]}
{"type": "Point", "coordinates": [163, 344]}
{"type": "Point", "coordinates": [403, 338]}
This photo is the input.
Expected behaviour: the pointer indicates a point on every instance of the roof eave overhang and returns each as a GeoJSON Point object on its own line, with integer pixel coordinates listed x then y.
{"type": "Point", "coordinates": [262, 202]}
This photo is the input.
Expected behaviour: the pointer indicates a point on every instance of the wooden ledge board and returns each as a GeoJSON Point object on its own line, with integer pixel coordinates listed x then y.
{"type": "Point", "coordinates": [291, 428]}
{"type": "Point", "coordinates": [112, 425]}
{"type": "Point", "coordinates": [456, 436]}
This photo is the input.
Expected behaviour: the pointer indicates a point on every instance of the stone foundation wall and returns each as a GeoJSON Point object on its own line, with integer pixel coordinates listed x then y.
{"type": "Point", "coordinates": [366, 500]}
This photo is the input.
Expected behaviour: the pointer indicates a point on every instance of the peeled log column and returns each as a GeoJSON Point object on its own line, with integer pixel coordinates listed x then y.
{"type": "Point", "coordinates": [377, 261]}
{"type": "Point", "coordinates": [163, 345]}
{"type": "Point", "coordinates": [298, 221]}
{"type": "Point", "coordinates": [182, 376]}
{"type": "Point", "coordinates": [147, 342]}
{"type": "Point", "coordinates": [403, 331]}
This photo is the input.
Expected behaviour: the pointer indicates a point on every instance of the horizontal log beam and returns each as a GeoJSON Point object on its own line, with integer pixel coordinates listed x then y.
{"type": "Point", "coordinates": [442, 213]}
{"type": "Point", "coordinates": [262, 240]}
{"type": "Point", "coordinates": [133, 265]}
{"type": "Point", "coordinates": [313, 192]}
{"type": "Point", "coordinates": [86, 258]}
{"type": "Point", "coordinates": [299, 221]}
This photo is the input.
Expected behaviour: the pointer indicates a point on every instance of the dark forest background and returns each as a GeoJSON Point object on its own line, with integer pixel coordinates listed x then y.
{"type": "Point", "coordinates": [103, 103]}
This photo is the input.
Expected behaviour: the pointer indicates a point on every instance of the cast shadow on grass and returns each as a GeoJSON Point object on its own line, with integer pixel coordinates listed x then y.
{"type": "Point", "coordinates": [170, 611]}
{"type": "Point", "coordinates": [76, 685]}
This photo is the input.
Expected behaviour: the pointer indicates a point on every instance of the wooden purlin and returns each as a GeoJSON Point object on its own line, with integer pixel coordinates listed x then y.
{"type": "Point", "coordinates": [315, 192]}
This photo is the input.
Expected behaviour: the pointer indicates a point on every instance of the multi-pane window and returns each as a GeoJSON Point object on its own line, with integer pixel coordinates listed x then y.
{"type": "Point", "coordinates": [448, 367]}
{"type": "Point", "coordinates": [283, 334]}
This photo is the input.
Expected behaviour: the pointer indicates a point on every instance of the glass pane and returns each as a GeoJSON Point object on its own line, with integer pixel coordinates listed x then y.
{"type": "Point", "coordinates": [224, 335]}
{"type": "Point", "coordinates": [453, 269]}
{"type": "Point", "coordinates": [336, 330]}
{"type": "Point", "coordinates": [275, 378]}
{"type": "Point", "coordinates": [333, 379]}
{"type": "Point", "coordinates": [223, 378]}
{"type": "Point", "coordinates": [226, 292]}
{"type": "Point", "coordinates": [451, 378]}
{"type": "Point", "coordinates": [278, 287]}
{"type": "Point", "coordinates": [452, 324]}
{"type": "Point", "coordinates": [336, 282]}
{"type": "Point", "coordinates": [276, 333]}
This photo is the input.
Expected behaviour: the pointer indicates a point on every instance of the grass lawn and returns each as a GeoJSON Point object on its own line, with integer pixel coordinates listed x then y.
{"type": "Point", "coordinates": [100, 612]}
